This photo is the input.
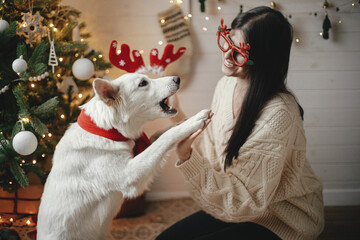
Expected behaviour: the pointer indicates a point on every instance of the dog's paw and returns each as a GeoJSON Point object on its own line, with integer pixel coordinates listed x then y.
{"type": "Point", "coordinates": [196, 122]}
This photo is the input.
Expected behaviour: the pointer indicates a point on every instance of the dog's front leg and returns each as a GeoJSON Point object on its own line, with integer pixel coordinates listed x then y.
{"type": "Point", "coordinates": [141, 169]}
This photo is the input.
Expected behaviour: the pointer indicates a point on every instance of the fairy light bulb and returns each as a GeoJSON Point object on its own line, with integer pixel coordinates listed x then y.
{"type": "Point", "coordinates": [51, 25]}
{"type": "Point", "coordinates": [61, 59]}
{"type": "Point", "coordinates": [160, 42]}
{"type": "Point", "coordinates": [297, 40]}
{"type": "Point", "coordinates": [23, 161]}
{"type": "Point", "coordinates": [219, 8]}
{"type": "Point", "coordinates": [80, 95]}
{"type": "Point", "coordinates": [204, 29]}
{"type": "Point", "coordinates": [94, 59]}
{"type": "Point", "coordinates": [49, 134]}
{"type": "Point", "coordinates": [207, 18]}
{"type": "Point", "coordinates": [162, 21]}
{"type": "Point", "coordinates": [141, 52]}
{"type": "Point", "coordinates": [11, 219]}
{"type": "Point", "coordinates": [32, 85]}
{"type": "Point", "coordinates": [10, 182]}
{"type": "Point", "coordinates": [28, 222]}
{"type": "Point", "coordinates": [34, 161]}
{"type": "Point", "coordinates": [118, 51]}
{"type": "Point", "coordinates": [100, 56]}
{"type": "Point", "coordinates": [62, 116]}
{"type": "Point", "coordinates": [189, 15]}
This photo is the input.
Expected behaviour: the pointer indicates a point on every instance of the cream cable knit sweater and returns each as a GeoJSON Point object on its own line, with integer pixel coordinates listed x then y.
{"type": "Point", "coordinates": [271, 183]}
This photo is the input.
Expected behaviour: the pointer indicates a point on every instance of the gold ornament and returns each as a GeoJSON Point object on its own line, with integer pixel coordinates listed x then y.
{"type": "Point", "coordinates": [272, 4]}
{"type": "Point", "coordinates": [31, 28]}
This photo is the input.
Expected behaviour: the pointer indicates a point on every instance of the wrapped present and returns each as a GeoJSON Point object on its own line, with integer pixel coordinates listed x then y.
{"type": "Point", "coordinates": [23, 201]}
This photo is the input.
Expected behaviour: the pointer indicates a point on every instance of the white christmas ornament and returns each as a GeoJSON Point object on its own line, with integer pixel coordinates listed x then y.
{"type": "Point", "coordinates": [3, 25]}
{"type": "Point", "coordinates": [83, 69]}
{"type": "Point", "coordinates": [19, 65]}
{"type": "Point", "coordinates": [24, 143]}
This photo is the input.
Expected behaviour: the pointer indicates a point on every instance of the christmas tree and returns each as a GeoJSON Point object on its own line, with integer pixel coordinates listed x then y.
{"type": "Point", "coordinates": [43, 64]}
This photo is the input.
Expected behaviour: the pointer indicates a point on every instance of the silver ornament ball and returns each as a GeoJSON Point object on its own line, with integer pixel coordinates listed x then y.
{"type": "Point", "coordinates": [19, 65]}
{"type": "Point", "coordinates": [3, 25]}
{"type": "Point", "coordinates": [25, 143]}
{"type": "Point", "coordinates": [83, 69]}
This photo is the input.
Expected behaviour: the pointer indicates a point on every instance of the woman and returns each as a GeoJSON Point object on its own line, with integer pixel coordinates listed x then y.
{"type": "Point", "coordinates": [248, 170]}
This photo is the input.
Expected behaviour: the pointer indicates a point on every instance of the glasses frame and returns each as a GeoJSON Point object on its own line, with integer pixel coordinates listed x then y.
{"type": "Point", "coordinates": [243, 50]}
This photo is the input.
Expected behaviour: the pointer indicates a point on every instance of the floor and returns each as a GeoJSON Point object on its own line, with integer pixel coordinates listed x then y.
{"type": "Point", "coordinates": [342, 223]}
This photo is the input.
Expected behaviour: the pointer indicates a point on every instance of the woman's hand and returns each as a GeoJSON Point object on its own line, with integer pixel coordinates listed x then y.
{"type": "Point", "coordinates": [184, 147]}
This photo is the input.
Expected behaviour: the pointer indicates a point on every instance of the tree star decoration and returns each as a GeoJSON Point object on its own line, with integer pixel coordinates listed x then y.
{"type": "Point", "coordinates": [31, 28]}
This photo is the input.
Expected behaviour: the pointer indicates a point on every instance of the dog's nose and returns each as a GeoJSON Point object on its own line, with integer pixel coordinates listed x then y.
{"type": "Point", "coordinates": [176, 80]}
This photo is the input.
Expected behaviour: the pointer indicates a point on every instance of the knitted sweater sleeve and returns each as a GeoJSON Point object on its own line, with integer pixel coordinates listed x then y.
{"type": "Point", "coordinates": [247, 188]}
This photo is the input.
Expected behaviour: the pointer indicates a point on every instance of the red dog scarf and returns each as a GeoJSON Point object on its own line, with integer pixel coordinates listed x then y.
{"type": "Point", "coordinates": [88, 125]}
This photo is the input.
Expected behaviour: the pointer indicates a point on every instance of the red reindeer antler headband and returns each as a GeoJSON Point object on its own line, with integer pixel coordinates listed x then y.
{"type": "Point", "coordinates": [124, 62]}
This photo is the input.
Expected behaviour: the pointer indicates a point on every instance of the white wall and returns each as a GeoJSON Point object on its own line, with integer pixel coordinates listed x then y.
{"type": "Point", "coordinates": [324, 74]}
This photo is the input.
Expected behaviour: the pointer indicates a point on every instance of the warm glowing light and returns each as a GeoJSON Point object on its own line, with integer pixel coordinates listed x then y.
{"type": "Point", "coordinates": [118, 51]}
{"type": "Point", "coordinates": [11, 219]}
{"type": "Point", "coordinates": [76, 54]}
{"type": "Point", "coordinates": [186, 17]}
{"type": "Point", "coordinates": [297, 40]}
{"type": "Point", "coordinates": [24, 24]}
{"type": "Point", "coordinates": [62, 116]}
{"type": "Point", "coordinates": [43, 135]}
{"type": "Point", "coordinates": [55, 29]}
{"type": "Point", "coordinates": [162, 21]}
{"type": "Point", "coordinates": [189, 15]}
{"type": "Point", "coordinates": [353, 4]}
{"type": "Point", "coordinates": [219, 8]}
{"type": "Point", "coordinates": [160, 42]}
{"type": "Point", "coordinates": [94, 59]}
{"type": "Point", "coordinates": [51, 25]}
{"type": "Point", "coordinates": [43, 155]}
{"type": "Point", "coordinates": [10, 184]}
{"type": "Point", "coordinates": [340, 21]}
{"type": "Point", "coordinates": [107, 70]}
{"type": "Point", "coordinates": [25, 120]}
{"type": "Point", "coordinates": [34, 161]}
{"type": "Point", "coordinates": [32, 85]}
{"type": "Point", "coordinates": [58, 75]}
{"type": "Point", "coordinates": [100, 56]}
{"type": "Point", "coordinates": [20, 164]}
{"type": "Point", "coordinates": [49, 134]}
{"type": "Point", "coordinates": [141, 51]}
{"type": "Point", "coordinates": [204, 29]}
{"type": "Point", "coordinates": [207, 18]}
{"type": "Point", "coordinates": [23, 161]}
{"type": "Point", "coordinates": [179, 2]}
{"type": "Point", "coordinates": [82, 40]}
{"type": "Point", "coordinates": [80, 95]}
{"type": "Point", "coordinates": [61, 59]}
{"type": "Point", "coordinates": [321, 34]}
{"type": "Point", "coordinates": [18, 74]}
{"type": "Point", "coordinates": [28, 222]}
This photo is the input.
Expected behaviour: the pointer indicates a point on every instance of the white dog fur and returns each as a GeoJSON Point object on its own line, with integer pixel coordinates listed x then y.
{"type": "Point", "coordinates": [91, 174]}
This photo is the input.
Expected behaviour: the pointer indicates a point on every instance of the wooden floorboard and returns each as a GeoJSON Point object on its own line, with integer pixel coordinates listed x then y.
{"type": "Point", "coordinates": [341, 223]}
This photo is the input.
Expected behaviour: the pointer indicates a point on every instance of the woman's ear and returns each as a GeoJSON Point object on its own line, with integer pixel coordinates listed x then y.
{"type": "Point", "coordinates": [105, 89]}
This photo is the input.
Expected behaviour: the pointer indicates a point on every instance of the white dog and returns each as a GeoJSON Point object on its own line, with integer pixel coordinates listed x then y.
{"type": "Point", "coordinates": [92, 174]}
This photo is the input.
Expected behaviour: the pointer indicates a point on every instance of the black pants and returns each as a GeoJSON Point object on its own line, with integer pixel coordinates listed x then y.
{"type": "Point", "coordinates": [201, 226]}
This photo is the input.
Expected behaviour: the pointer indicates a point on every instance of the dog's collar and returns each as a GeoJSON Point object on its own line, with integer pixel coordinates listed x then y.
{"type": "Point", "coordinates": [88, 125]}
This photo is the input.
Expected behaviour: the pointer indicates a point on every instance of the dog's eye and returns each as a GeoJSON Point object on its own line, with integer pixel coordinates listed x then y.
{"type": "Point", "coordinates": [143, 83]}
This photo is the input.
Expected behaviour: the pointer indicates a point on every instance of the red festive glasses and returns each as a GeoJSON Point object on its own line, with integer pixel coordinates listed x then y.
{"type": "Point", "coordinates": [240, 55]}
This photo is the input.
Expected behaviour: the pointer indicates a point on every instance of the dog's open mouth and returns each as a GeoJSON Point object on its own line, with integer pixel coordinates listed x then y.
{"type": "Point", "coordinates": [167, 109]}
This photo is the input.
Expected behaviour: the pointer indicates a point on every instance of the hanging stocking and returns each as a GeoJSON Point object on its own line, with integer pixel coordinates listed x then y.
{"type": "Point", "coordinates": [177, 32]}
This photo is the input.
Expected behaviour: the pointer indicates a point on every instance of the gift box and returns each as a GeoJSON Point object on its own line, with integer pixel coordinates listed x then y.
{"type": "Point", "coordinates": [23, 201]}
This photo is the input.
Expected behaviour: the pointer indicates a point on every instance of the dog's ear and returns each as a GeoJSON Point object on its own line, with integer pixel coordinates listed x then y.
{"type": "Point", "coordinates": [105, 89]}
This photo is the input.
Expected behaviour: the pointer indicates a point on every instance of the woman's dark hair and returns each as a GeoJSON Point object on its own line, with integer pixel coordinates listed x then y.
{"type": "Point", "coordinates": [270, 37]}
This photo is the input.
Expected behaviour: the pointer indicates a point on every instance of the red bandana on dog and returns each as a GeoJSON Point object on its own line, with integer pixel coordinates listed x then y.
{"type": "Point", "coordinates": [87, 124]}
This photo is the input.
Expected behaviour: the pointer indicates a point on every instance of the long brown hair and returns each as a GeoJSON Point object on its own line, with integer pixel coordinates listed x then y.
{"type": "Point", "coordinates": [270, 37]}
